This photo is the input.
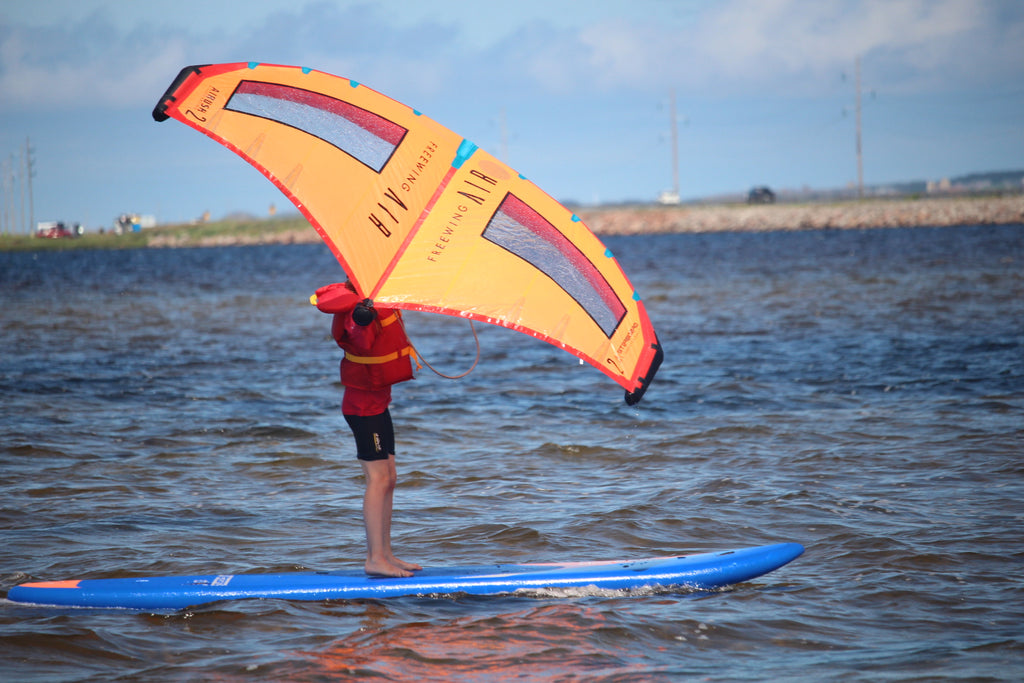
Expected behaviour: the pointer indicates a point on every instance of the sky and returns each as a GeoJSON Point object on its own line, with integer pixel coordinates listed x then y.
{"type": "Point", "coordinates": [574, 94]}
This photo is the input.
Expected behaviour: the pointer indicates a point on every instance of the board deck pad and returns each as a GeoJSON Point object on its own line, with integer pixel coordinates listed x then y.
{"type": "Point", "coordinates": [699, 571]}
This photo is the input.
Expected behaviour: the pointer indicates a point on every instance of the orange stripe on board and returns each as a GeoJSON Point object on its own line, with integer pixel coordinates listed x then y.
{"type": "Point", "coordinates": [52, 584]}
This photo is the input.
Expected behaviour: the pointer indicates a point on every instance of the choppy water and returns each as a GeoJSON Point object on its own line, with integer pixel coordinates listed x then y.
{"type": "Point", "coordinates": [860, 392]}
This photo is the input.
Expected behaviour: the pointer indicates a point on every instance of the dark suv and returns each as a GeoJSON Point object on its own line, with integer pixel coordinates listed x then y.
{"type": "Point", "coordinates": [761, 195]}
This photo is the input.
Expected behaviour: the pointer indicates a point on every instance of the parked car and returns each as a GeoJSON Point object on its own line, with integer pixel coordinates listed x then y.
{"type": "Point", "coordinates": [57, 230]}
{"type": "Point", "coordinates": [761, 195]}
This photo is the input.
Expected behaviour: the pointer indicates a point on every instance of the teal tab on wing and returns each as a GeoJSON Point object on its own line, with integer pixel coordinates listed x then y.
{"type": "Point", "coordinates": [465, 151]}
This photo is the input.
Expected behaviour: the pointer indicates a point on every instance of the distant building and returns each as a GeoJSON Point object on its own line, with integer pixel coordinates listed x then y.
{"type": "Point", "coordinates": [133, 222]}
{"type": "Point", "coordinates": [669, 198]}
{"type": "Point", "coordinates": [982, 183]}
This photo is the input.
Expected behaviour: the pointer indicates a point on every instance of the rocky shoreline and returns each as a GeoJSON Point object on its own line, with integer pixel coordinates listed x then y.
{"type": "Point", "coordinates": [871, 213]}
{"type": "Point", "coordinates": [696, 218]}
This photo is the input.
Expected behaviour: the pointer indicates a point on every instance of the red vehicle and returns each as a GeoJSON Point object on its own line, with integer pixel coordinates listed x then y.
{"type": "Point", "coordinates": [57, 230]}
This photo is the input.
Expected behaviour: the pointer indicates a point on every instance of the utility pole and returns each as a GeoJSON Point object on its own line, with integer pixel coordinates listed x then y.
{"type": "Point", "coordinates": [21, 191]}
{"type": "Point", "coordinates": [672, 196]}
{"type": "Point", "coordinates": [5, 191]}
{"type": "Point", "coordinates": [675, 143]}
{"type": "Point", "coordinates": [860, 160]}
{"type": "Point", "coordinates": [504, 136]}
{"type": "Point", "coordinates": [29, 172]}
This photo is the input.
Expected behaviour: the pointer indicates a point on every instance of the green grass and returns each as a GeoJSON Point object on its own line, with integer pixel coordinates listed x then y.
{"type": "Point", "coordinates": [181, 235]}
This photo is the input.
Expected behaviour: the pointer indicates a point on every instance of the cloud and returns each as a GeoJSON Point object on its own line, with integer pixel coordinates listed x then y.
{"type": "Point", "coordinates": [355, 41]}
{"type": "Point", "coordinates": [796, 46]}
{"type": "Point", "coordinates": [721, 49]}
{"type": "Point", "coordinates": [85, 65]}
{"type": "Point", "coordinates": [95, 62]}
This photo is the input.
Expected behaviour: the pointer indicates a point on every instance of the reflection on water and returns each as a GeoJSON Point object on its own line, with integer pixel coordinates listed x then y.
{"type": "Point", "coordinates": [860, 392]}
{"type": "Point", "coordinates": [550, 641]}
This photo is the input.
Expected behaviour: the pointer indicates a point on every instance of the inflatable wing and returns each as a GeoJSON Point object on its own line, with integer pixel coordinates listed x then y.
{"type": "Point", "coordinates": [420, 218]}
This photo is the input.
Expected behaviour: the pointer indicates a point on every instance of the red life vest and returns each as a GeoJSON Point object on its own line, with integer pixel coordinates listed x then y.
{"type": "Point", "coordinates": [376, 355]}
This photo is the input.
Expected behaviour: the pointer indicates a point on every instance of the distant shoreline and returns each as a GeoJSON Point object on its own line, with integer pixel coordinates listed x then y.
{"type": "Point", "coordinates": [618, 220]}
{"type": "Point", "coordinates": [868, 213]}
{"type": "Point", "coordinates": [655, 219]}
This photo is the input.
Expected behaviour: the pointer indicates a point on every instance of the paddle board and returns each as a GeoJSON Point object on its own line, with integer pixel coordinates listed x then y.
{"type": "Point", "coordinates": [702, 571]}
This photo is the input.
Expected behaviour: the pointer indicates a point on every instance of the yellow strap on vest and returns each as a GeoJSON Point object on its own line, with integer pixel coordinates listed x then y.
{"type": "Point", "coordinates": [377, 360]}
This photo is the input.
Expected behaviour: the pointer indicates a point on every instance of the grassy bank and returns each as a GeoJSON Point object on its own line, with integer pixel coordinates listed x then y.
{"type": "Point", "coordinates": [868, 213]}
{"type": "Point", "coordinates": [292, 229]}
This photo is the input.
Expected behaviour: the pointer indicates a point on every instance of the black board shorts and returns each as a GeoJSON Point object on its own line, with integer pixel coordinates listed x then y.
{"type": "Point", "coordinates": [375, 435]}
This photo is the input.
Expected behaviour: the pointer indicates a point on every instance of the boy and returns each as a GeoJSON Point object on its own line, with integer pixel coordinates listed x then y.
{"type": "Point", "coordinates": [376, 356]}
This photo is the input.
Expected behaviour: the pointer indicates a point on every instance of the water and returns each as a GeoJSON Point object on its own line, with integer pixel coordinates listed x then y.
{"type": "Point", "coordinates": [860, 392]}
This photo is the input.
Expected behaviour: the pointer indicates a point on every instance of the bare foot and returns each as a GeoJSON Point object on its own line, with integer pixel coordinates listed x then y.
{"type": "Point", "coordinates": [382, 568]}
{"type": "Point", "coordinates": [408, 566]}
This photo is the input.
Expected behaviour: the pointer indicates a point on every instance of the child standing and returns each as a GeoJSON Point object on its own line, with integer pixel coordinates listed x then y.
{"type": "Point", "coordinates": [377, 355]}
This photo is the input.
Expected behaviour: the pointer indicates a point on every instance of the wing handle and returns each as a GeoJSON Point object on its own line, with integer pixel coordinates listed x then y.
{"type": "Point", "coordinates": [633, 397]}
{"type": "Point", "coordinates": [160, 110]}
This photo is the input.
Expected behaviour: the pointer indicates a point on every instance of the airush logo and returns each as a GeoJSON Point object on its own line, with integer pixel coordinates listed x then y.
{"type": "Point", "coordinates": [204, 104]}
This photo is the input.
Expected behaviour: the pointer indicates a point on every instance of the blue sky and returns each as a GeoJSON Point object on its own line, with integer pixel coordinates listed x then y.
{"type": "Point", "coordinates": [572, 93]}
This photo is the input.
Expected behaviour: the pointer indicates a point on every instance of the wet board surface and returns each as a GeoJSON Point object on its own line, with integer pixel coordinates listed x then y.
{"type": "Point", "coordinates": [701, 571]}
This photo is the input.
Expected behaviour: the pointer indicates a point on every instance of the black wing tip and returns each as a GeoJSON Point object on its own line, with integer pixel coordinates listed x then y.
{"type": "Point", "coordinates": [160, 110]}
{"type": "Point", "coordinates": [633, 397]}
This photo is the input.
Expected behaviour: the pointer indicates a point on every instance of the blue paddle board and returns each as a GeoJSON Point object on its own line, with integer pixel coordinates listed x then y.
{"type": "Point", "coordinates": [701, 571]}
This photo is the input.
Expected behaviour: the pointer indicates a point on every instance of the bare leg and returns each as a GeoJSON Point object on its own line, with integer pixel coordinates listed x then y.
{"type": "Point", "coordinates": [378, 501]}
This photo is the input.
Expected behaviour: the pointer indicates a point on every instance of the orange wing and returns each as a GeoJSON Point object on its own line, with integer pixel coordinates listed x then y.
{"type": "Point", "coordinates": [420, 218]}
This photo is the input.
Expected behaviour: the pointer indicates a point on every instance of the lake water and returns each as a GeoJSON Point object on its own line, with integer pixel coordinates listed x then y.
{"type": "Point", "coordinates": [860, 392]}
